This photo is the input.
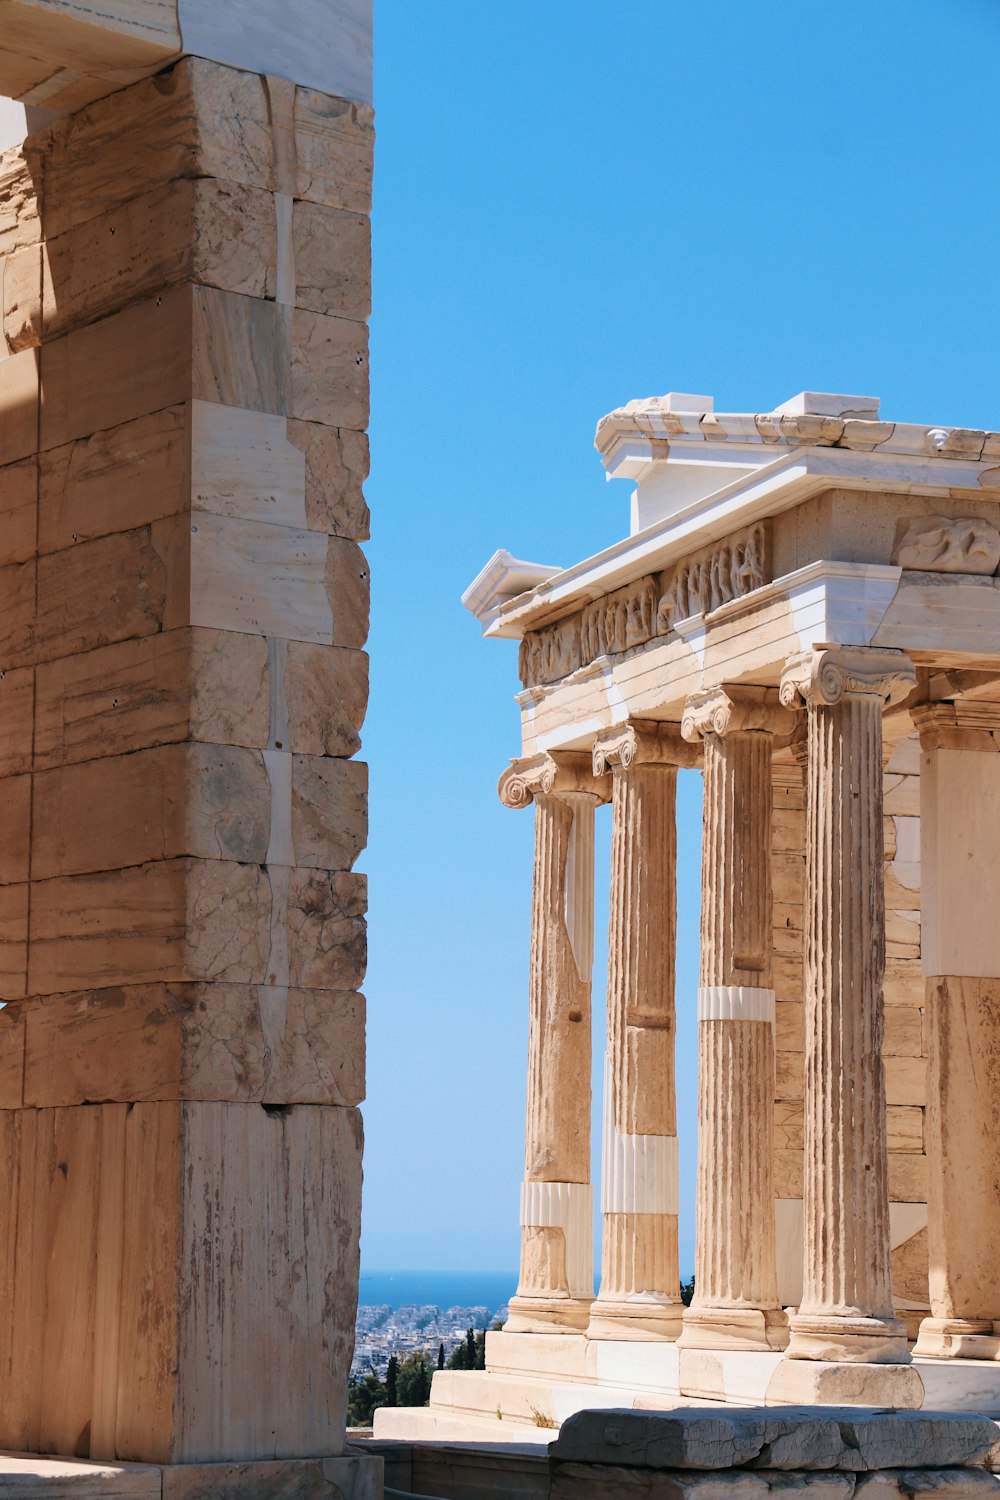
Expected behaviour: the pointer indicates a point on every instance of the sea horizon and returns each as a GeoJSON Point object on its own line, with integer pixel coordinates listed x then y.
{"type": "Point", "coordinates": [433, 1288]}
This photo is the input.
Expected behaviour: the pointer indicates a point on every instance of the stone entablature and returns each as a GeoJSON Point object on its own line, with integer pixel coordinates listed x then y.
{"type": "Point", "coordinates": [637, 613]}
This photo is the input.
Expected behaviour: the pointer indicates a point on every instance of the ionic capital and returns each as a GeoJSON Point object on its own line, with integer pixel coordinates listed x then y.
{"type": "Point", "coordinates": [824, 675]}
{"type": "Point", "coordinates": [725, 710]}
{"type": "Point", "coordinates": [640, 742]}
{"type": "Point", "coordinates": [551, 775]}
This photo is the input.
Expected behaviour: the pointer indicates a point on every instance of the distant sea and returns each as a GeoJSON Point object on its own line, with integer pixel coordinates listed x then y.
{"type": "Point", "coordinates": [442, 1289]}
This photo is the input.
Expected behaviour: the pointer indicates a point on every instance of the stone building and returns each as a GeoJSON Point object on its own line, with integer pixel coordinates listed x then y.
{"type": "Point", "coordinates": [807, 609]}
{"type": "Point", "coordinates": [185, 272]}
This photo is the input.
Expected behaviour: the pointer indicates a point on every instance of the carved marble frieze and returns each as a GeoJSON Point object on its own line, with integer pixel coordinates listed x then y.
{"type": "Point", "coordinates": [637, 613]}
{"type": "Point", "coordinates": [949, 544]}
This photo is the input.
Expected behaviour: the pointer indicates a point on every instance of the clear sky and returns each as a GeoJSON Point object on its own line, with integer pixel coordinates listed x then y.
{"type": "Point", "coordinates": [577, 204]}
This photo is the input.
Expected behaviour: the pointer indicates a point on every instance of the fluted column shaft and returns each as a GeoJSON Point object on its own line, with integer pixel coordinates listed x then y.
{"type": "Point", "coordinates": [556, 1281]}
{"type": "Point", "coordinates": [640, 1289]}
{"type": "Point", "coordinates": [735, 1303]}
{"type": "Point", "coordinates": [846, 1312]}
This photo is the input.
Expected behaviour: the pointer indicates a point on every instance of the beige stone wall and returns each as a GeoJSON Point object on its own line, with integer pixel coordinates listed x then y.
{"type": "Point", "coordinates": [183, 402]}
{"type": "Point", "coordinates": [905, 1046]}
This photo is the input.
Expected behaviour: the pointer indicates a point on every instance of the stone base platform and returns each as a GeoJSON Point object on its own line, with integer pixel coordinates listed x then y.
{"type": "Point", "coordinates": [534, 1382]}
{"type": "Point", "coordinates": [354, 1476]}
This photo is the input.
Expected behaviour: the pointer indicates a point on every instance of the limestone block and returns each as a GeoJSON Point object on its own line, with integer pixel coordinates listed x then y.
{"type": "Point", "coordinates": [336, 466]}
{"type": "Point", "coordinates": [245, 465]}
{"type": "Point", "coordinates": [15, 846]}
{"type": "Point", "coordinates": [104, 591]}
{"type": "Point", "coordinates": [212, 801]}
{"type": "Point", "coordinates": [18, 502]}
{"type": "Point", "coordinates": [333, 151]}
{"type": "Point", "coordinates": [181, 684]}
{"type": "Point", "coordinates": [786, 831]}
{"type": "Point", "coordinates": [197, 120]}
{"type": "Point", "coordinates": [787, 976]}
{"type": "Point", "coordinates": [789, 1026]}
{"type": "Point", "coordinates": [902, 932]}
{"type": "Point", "coordinates": [904, 1128]}
{"type": "Point", "coordinates": [183, 919]}
{"type": "Point", "coordinates": [13, 941]}
{"type": "Point", "coordinates": [120, 478]}
{"type": "Point", "coordinates": [902, 886]}
{"type": "Point", "coordinates": [945, 1484]}
{"type": "Point", "coordinates": [904, 982]}
{"type": "Point", "coordinates": [17, 589]}
{"type": "Point", "coordinates": [326, 929]}
{"type": "Point", "coordinates": [218, 234]}
{"type": "Point", "coordinates": [184, 1041]}
{"type": "Point", "coordinates": [329, 370]}
{"type": "Point", "coordinates": [788, 878]}
{"type": "Point", "coordinates": [19, 404]}
{"type": "Point", "coordinates": [910, 1269]}
{"type": "Point", "coordinates": [789, 1077]}
{"type": "Point", "coordinates": [17, 696]}
{"type": "Point", "coordinates": [326, 690]}
{"type": "Point", "coordinates": [902, 796]}
{"type": "Point", "coordinates": [907, 1177]}
{"type": "Point", "coordinates": [903, 1033]}
{"type": "Point", "coordinates": [789, 1439]}
{"type": "Point", "coordinates": [906, 1080]}
{"type": "Point", "coordinates": [19, 220]}
{"type": "Point", "coordinates": [279, 581]}
{"type": "Point", "coordinates": [609, 1482]}
{"type": "Point", "coordinates": [815, 1382]}
{"type": "Point", "coordinates": [329, 811]}
{"type": "Point", "coordinates": [788, 1172]}
{"type": "Point", "coordinates": [357, 1476]}
{"type": "Point", "coordinates": [788, 1125]}
{"type": "Point", "coordinates": [179, 1279]}
{"type": "Point", "coordinates": [332, 260]}
{"type": "Point", "coordinates": [241, 351]}
{"type": "Point", "coordinates": [21, 279]}
{"type": "Point", "coordinates": [12, 1052]}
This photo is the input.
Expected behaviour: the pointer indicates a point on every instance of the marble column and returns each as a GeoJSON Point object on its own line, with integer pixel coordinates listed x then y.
{"type": "Point", "coordinates": [959, 810]}
{"type": "Point", "coordinates": [846, 1314]}
{"type": "Point", "coordinates": [640, 1288]}
{"type": "Point", "coordinates": [556, 1281]}
{"type": "Point", "coordinates": [735, 1302]}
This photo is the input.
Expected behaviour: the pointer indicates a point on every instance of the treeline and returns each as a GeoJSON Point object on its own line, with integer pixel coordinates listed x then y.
{"type": "Point", "coordinates": [408, 1380]}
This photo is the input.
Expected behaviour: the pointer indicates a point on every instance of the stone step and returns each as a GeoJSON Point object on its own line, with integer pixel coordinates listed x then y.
{"type": "Point", "coordinates": [430, 1424]}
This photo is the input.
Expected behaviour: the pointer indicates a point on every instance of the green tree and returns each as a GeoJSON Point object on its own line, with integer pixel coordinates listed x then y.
{"type": "Point", "coordinates": [413, 1381]}
{"type": "Point", "coordinates": [480, 1363]}
{"type": "Point", "coordinates": [440, 1356]}
{"type": "Point", "coordinates": [687, 1291]}
{"type": "Point", "coordinates": [391, 1375]}
{"type": "Point", "coordinates": [470, 1349]}
{"type": "Point", "coordinates": [364, 1397]}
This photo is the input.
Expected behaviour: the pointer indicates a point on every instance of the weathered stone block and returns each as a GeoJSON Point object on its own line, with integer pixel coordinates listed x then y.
{"type": "Point", "coordinates": [212, 801]}
{"type": "Point", "coordinates": [19, 404]}
{"type": "Point", "coordinates": [329, 811]}
{"type": "Point", "coordinates": [789, 1075]}
{"type": "Point", "coordinates": [197, 120]}
{"type": "Point", "coordinates": [18, 502]}
{"type": "Point", "coordinates": [13, 941]}
{"type": "Point", "coordinates": [17, 589]}
{"type": "Point", "coordinates": [104, 591]}
{"type": "Point", "coordinates": [268, 579]}
{"type": "Point", "coordinates": [119, 479]}
{"type": "Point", "coordinates": [182, 684]}
{"type": "Point", "coordinates": [218, 234]}
{"type": "Point", "coordinates": [332, 251]}
{"type": "Point", "coordinates": [21, 279]}
{"type": "Point", "coordinates": [903, 1032]}
{"type": "Point", "coordinates": [907, 1177]}
{"type": "Point", "coordinates": [19, 220]}
{"type": "Point", "coordinates": [326, 690]}
{"type": "Point", "coordinates": [329, 370]}
{"type": "Point", "coordinates": [183, 919]}
{"type": "Point", "coordinates": [904, 1128]}
{"type": "Point", "coordinates": [336, 467]}
{"type": "Point", "coordinates": [327, 947]}
{"type": "Point", "coordinates": [151, 1298]}
{"type": "Point", "coordinates": [333, 151]}
{"type": "Point", "coordinates": [788, 1172]}
{"type": "Point", "coordinates": [184, 1041]}
{"type": "Point", "coordinates": [906, 1080]}
{"type": "Point", "coordinates": [244, 465]}
{"type": "Point", "coordinates": [15, 846]}
{"type": "Point", "coordinates": [17, 697]}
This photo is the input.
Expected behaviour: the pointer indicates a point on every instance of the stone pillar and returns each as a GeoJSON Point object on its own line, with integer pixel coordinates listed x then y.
{"type": "Point", "coordinates": [735, 1302]}
{"type": "Point", "coordinates": [846, 1314]}
{"type": "Point", "coordinates": [959, 813]}
{"type": "Point", "coordinates": [640, 1288]}
{"type": "Point", "coordinates": [556, 1281]}
{"type": "Point", "coordinates": [183, 404]}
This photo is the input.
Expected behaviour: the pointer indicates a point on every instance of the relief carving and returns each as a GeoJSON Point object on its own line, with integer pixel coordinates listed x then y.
{"type": "Point", "coordinates": [650, 607]}
{"type": "Point", "coordinates": [943, 544]}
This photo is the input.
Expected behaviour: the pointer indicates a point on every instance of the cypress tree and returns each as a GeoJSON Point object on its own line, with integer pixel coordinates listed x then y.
{"type": "Point", "coordinates": [391, 1375]}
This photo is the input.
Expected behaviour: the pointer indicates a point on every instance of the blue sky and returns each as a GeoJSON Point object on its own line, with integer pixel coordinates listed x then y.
{"type": "Point", "coordinates": [577, 204]}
